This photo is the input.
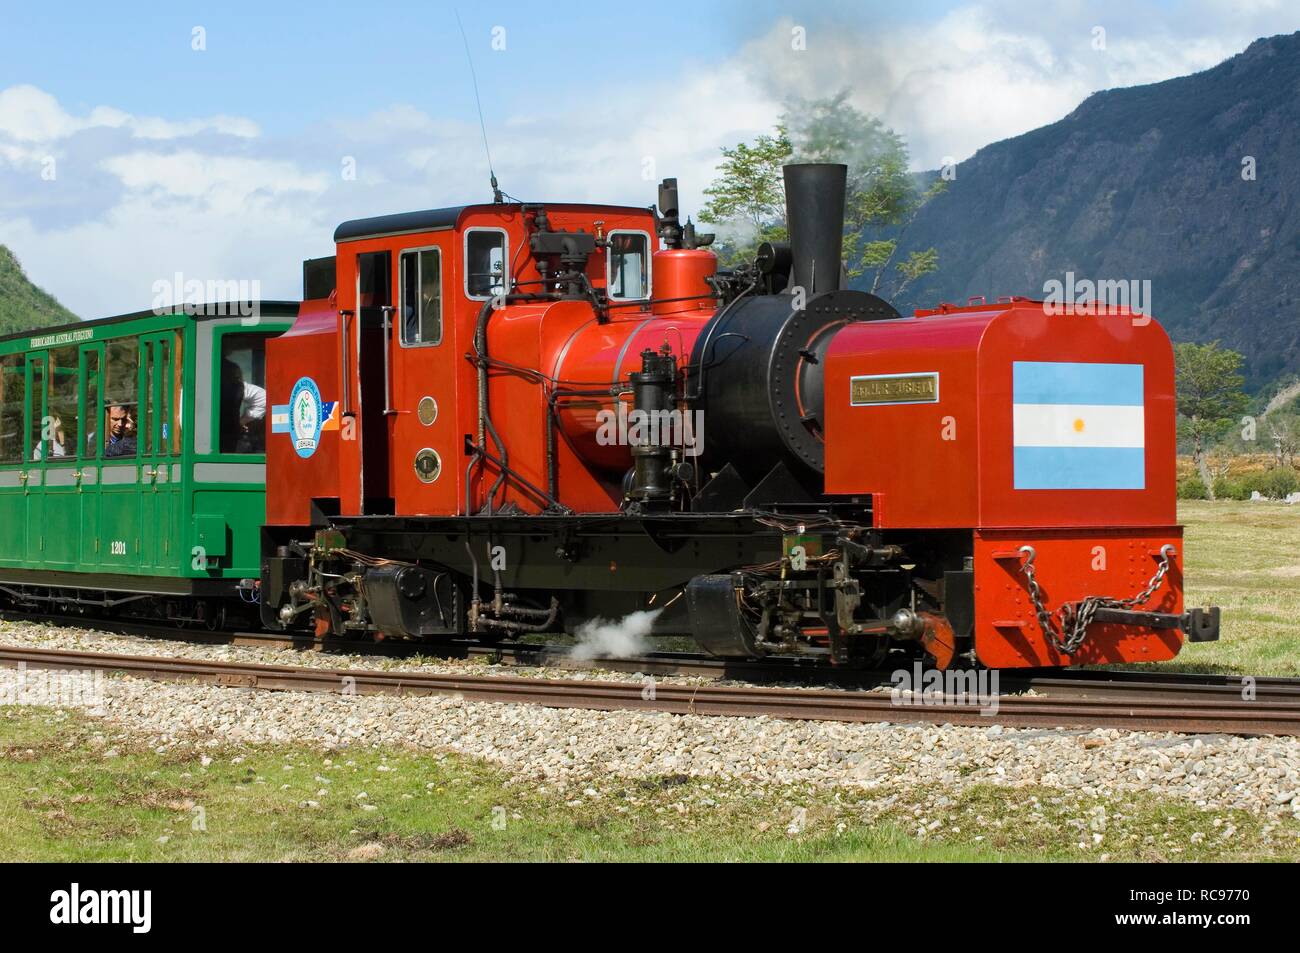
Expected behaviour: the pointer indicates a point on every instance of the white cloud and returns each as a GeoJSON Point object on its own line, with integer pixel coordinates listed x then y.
{"type": "Point", "coordinates": [987, 71]}
{"type": "Point", "coordinates": [108, 266]}
{"type": "Point", "coordinates": [19, 155]}
{"type": "Point", "coordinates": [134, 199]}
{"type": "Point", "coordinates": [218, 181]}
{"type": "Point", "coordinates": [33, 115]}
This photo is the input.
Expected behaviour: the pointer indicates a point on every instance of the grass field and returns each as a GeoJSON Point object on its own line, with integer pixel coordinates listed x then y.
{"type": "Point", "coordinates": [1245, 558]}
{"type": "Point", "coordinates": [68, 792]}
{"type": "Point", "coordinates": [65, 796]}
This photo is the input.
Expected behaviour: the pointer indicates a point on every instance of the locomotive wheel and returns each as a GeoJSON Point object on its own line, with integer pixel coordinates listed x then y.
{"type": "Point", "coordinates": [217, 620]}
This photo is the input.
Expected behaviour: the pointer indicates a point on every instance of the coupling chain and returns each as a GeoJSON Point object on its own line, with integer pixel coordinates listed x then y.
{"type": "Point", "coordinates": [1068, 626]}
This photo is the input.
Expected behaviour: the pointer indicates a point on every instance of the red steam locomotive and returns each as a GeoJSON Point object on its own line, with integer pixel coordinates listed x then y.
{"type": "Point", "coordinates": [500, 419]}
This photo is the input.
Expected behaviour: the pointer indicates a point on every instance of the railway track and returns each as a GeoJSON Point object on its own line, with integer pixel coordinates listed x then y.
{"type": "Point", "coordinates": [1113, 682]}
{"type": "Point", "coordinates": [1218, 709]}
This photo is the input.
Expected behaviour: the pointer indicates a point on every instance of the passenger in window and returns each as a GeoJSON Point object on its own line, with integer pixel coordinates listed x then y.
{"type": "Point", "coordinates": [243, 412]}
{"type": "Point", "coordinates": [252, 410]}
{"type": "Point", "coordinates": [57, 445]}
{"type": "Point", "coordinates": [121, 432]}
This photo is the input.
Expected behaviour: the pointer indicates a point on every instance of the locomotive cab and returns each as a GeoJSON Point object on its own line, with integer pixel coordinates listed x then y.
{"type": "Point", "coordinates": [389, 347]}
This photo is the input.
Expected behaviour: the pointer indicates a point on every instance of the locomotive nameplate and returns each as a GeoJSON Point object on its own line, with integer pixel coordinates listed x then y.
{"type": "Point", "coordinates": [894, 389]}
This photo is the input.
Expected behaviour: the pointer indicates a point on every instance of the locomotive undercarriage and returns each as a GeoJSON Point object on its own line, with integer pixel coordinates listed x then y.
{"type": "Point", "coordinates": [784, 583]}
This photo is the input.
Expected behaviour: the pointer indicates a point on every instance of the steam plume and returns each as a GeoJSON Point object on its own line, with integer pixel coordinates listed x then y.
{"type": "Point", "coordinates": [601, 638]}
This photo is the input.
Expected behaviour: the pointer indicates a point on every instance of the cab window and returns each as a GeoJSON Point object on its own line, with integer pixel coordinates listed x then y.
{"type": "Point", "coordinates": [421, 306]}
{"type": "Point", "coordinates": [242, 403]}
{"type": "Point", "coordinates": [629, 265]}
{"type": "Point", "coordinates": [485, 263]}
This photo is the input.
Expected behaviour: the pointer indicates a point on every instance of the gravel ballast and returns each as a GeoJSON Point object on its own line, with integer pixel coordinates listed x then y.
{"type": "Point", "coordinates": [35, 635]}
{"type": "Point", "coordinates": [564, 748]}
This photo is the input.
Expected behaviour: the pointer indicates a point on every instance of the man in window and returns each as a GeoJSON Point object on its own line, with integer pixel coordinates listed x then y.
{"type": "Point", "coordinates": [242, 410]}
{"type": "Point", "coordinates": [252, 409]}
{"type": "Point", "coordinates": [121, 432]}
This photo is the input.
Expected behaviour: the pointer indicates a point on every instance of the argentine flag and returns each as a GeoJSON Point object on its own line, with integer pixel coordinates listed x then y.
{"type": "Point", "coordinates": [280, 418]}
{"type": "Point", "coordinates": [1078, 426]}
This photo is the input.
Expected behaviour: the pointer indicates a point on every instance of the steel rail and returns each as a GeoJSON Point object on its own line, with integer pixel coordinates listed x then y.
{"type": "Point", "coordinates": [1096, 683]}
{"type": "Point", "coordinates": [1158, 713]}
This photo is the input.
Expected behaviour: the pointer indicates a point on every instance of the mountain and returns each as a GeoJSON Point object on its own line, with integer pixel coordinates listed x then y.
{"type": "Point", "coordinates": [22, 304]}
{"type": "Point", "coordinates": [1146, 183]}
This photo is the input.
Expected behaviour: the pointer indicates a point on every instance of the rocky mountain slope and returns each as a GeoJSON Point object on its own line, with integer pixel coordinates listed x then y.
{"type": "Point", "coordinates": [1190, 184]}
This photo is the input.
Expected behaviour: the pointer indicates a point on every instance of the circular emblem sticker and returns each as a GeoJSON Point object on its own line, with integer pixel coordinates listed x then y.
{"type": "Point", "coordinates": [305, 416]}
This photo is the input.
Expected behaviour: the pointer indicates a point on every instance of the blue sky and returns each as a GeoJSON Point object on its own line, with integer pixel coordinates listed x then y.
{"type": "Point", "coordinates": [127, 151]}
{"type": "Point", "coordinates": [284, 67]}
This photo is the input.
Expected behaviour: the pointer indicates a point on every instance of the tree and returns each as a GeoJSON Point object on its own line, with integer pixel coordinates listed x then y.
{"type": "Point", "coordinates": [882, 195]}
{"type": "Point", "coordinates": [1284, 429]}
{"type": "Point", "coordinates": [916, 264]}
{"type": "Point", "coordinates": [1209, 397]}
{"type": "Point", "coordinates": [749, 194]}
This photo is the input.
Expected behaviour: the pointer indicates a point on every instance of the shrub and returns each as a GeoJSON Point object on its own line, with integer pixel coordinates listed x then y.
{"type": "Point", "coordinates": [1191, 488]}
{"type": "Point", "coordinates": [1225, 489]}
{"type": "Point", "coordinates": [1274, 484]}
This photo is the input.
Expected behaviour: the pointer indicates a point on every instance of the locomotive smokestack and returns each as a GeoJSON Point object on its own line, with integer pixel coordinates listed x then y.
{"type": "Point", "coordinates": [670, 224]}
{"type": "Point", "coordinates": [814, 214]}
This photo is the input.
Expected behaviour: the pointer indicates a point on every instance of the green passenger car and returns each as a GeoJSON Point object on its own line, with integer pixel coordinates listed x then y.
{"type": "Point", "coordinates": [132, 460]}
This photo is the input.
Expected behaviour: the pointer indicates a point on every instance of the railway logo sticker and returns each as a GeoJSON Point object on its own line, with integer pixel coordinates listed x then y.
{"type": "Point", "coordinates": [1078, 426]}
{"type": "Point", "coordinates": [305, 417]}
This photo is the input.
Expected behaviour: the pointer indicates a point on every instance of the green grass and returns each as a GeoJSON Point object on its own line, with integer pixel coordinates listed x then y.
{"type": "Point", "coordinates": [71, 789]}
{"type": "Point", "coordinates": [1245, 558]}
